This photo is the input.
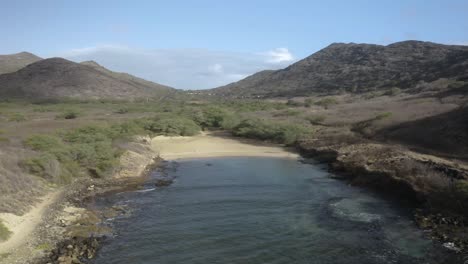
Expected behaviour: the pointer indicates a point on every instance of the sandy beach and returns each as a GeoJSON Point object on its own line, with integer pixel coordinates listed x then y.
{"type": "Point", "coordinates": [215, 144]}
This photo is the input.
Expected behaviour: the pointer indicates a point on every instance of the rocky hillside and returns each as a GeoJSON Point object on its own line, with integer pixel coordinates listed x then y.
{"type": "Point", "coordinates": [14, 62]}
{"type": "Point", "coordinates": [356, 68]}
{"type": "Point", "coordinates": [57, 78]}
{"type": "Point", "coordinates": [445, 134]}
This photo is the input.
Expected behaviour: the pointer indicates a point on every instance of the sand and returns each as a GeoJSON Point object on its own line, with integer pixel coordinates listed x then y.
{"type": "Point", "coordinates": [217, 144]}
{"type": "Point", "coordinates": [23, 226]}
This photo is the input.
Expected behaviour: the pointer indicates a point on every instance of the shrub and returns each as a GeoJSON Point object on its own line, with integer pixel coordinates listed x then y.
{"type": "Point", "coordinates": [3, 139]}
{"type": "Point", "coordinates": [327, 102]}
{"type": "Point", "coordinates": [44, 165]}
{"type": "Point", "coordinates": [84, 151]}
{"type": "Point", "coordinates": [230, 121]}
{"type": "Point", "coordinates": [16, 117]}
{"type": "Point", "coordinates": [383, 115]}
{"type": "Point", "coordinates": [69, 114]}
{"type": "Point", "coordinates": [123, 110]}
{"type": "Point", "coordinates": [44, 247]}
{"type": "Point", "coordinates": [212, 117]}
{"type": "Point", "coordinates": [288, 112]}
{"type": "Point", "coordinates": [294, 103]}
{"type": "Point", "coordinates": [371, 95]}
{"type": "Point", "coordinates": [40, 109]}
{"type": "Point", "coordinates": [259, 129]}
{"type": "Point", "coordinates": [393, 91]}
{"type": "Point", "coordinates": [308, 102]}
{"type": "Point", "coordinates": [43, 142]}
{"type": "Point", "coordinates": [176, 126]}
{"type": "Point", "coordinates": [4, 232]}
{"type": "Point", "coordinates": [252, 105]}
{"type": "Point", "coordinates": [316, 120]}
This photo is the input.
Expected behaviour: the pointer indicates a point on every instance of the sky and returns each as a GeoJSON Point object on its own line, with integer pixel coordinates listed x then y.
{"type": "Point", "coordinates": [198, 44]}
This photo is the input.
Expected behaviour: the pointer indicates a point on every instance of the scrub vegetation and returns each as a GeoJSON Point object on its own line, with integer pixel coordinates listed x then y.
{"type": "Point", "coordinates": [56, 142]}
{"type": "Point", "coordinates": [4, 232]}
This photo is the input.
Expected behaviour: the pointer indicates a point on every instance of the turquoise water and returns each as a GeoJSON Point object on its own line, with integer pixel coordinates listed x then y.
{"type": "Point", "coordinates": [261, 210]}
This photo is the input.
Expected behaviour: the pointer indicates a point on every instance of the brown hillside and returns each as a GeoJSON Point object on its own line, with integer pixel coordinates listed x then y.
{"type": "Point", "coordinates": [357, 68]}
{"type": "Point", "coordinates": [14, 62]}
{"type": "Point", "coordinates": [59, 78]}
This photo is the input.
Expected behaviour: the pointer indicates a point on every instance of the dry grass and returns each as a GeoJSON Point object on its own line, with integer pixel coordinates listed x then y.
{"type": "Point", "coordinates": [18, 189]}
{"type": "Point", "coordinates": [331, 124]}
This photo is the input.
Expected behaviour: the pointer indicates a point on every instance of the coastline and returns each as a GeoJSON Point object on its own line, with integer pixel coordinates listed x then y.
{"type": "Point", "coordinates": [48, 233]}
{"type": "Point", "coordinates": [140, 158]}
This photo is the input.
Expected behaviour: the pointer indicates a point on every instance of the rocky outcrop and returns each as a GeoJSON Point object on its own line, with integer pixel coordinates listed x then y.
{"type": "Point", "coordinates": [432, 185]}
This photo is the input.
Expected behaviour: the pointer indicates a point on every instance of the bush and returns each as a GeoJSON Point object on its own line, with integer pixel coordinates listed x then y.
{"type": "Point", "coordinates": [175, 126]}
{"type": "Point", "coordinates": [41, 109]}
{"type": "Point", "coordinates": [288, 112]}
{"type": "Point", "coordinates": [84, 151]}
{"type": "Point", "coordinates": [3, 139]}
{"type": "Point", "coordinates": [89, 134]}
{"type": "Point", "coordinates": [211, 116]}
{"type": "Point", "coordinates": [4, 232]}
{"type": "Point", "coordinates": [43, 142]}
{"type": "Point", "coordinates": [316, 120]}
{"type": "Point", "coordinates": [230, 121]}
{"type": "Point", "coordinates": [294, 103]}
{"type": "Point", "coordinates": [44, 165]}
{"type": "Point", "coordinates": [308, 102]}
{"type": "Point", "coordinates": [383, 115]}
{"type": "Point", "coordinates": [259, 129]}
{"type": "Point", "coordinates": [327, 102]}
{"type": "Point", "coordinates": [16, 117]}
{"type": "Point", "coordinates": [393, 91]}
{"type": "Point", "coordinates": [371, 95]}
{"type": "Point", "coordinates": [123, 110]}
{"type": "Point", "coordinates": [252, 105]}
{"type": "Point", "coordinates": [69, 114]}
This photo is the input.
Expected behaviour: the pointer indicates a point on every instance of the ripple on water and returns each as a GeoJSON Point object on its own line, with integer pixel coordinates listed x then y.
{"type": "Point", "coordinates": [262, 210]}
{"type": "Point", "coordinates": [354, 209]}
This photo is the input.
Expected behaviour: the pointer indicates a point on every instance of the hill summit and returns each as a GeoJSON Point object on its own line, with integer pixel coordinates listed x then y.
{"type": "Point", "coordinates": [56, 78]}
{"type": "Point", "coordinates": [14, 62]}
{"type": "Point", "coordinates": [356, 68]}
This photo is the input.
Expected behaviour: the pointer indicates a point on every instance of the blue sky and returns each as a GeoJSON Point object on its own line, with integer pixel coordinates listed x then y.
{"type": "Point", "coordinates": [200, 44]}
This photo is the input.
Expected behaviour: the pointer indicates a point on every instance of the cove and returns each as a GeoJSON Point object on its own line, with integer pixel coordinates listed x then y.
{"type": "Point", "coordinates": [261, 210]}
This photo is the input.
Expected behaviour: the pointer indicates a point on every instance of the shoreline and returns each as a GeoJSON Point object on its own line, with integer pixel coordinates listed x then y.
{"type": "Point", "coordinates": [45, 229]}
{"type": "Point", "coordinates": [136, 164]}
{"type": "Point", "coordinates": [216, 144]}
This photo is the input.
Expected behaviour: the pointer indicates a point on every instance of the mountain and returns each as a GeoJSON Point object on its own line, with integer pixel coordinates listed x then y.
{"type": "Point", "coordinates": [57, 78]}
{"type": "Point", "coordinates": [356, 68]}
{"type": "Point", "coordinates": [126, 77]}
{"type": "Point", "coordinates": [14, 62]}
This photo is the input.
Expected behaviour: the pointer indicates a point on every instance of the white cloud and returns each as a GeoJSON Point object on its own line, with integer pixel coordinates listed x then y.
{"type": "Point", "coordinates": [217, 68]}
{"type": "Point", "coordinates": [279, 55]}
{"type": "Point", "coordinates": [182, 68]}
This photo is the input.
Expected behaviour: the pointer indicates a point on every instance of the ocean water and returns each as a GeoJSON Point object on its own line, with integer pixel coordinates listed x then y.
{"type": "Point", "coordinates": [261, 210]}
